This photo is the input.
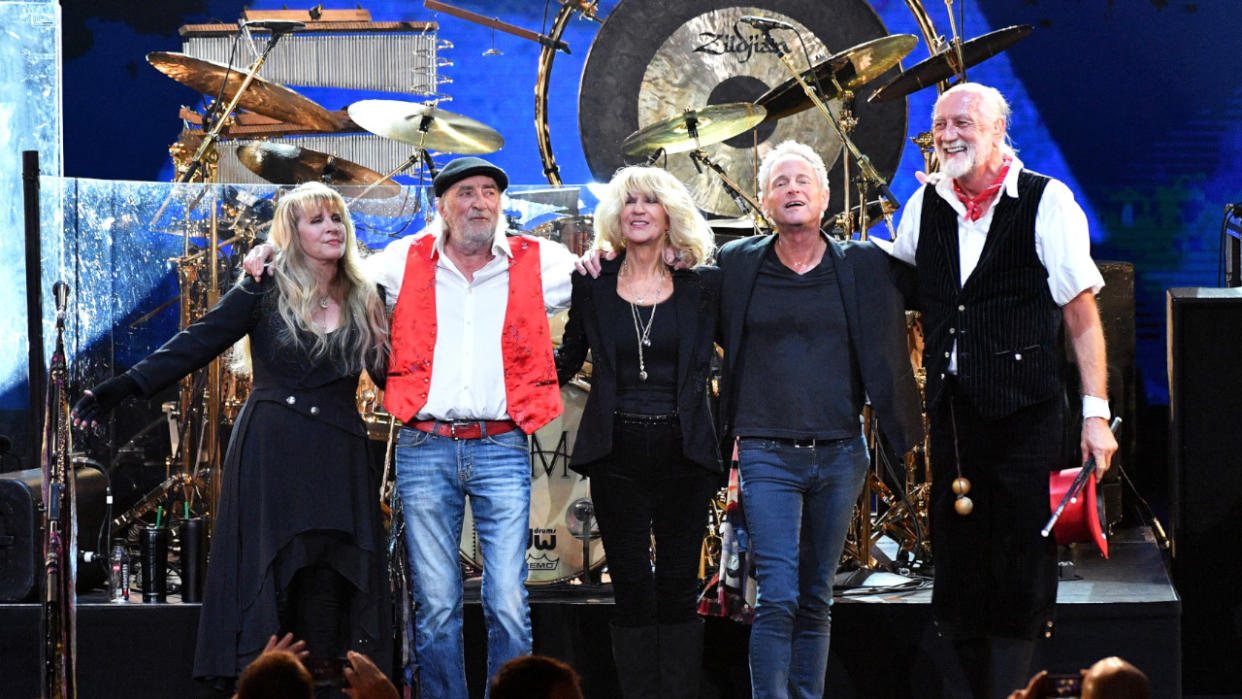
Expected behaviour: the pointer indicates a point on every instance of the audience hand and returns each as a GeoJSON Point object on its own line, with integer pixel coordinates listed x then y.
{"type": "Point", "coordinates": [287, 643]}
{"type": "Point", "coordinates": [365, 679]}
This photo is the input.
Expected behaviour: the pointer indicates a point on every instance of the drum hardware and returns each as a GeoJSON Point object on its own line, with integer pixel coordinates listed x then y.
{"type": "Point", "coordinates": [865, 167]}
{"type": "Point", "coordinates": [755, 214]}
{"type": "Point", "coordinates": [940, 67]}
{"type": "Point", "coordinates": [694, 128]}
{"type": "Point", "coordinates": [427, 128]}
{"type": "Point", "coordinates": [495, 23]}
{"type": "Point", "coordinates": [857, 218]}
{"type": "Point", "coordinates": [574, 232]}
{"type": "Point", "coordinates": [282, 163]}
{"type": "Point", "coordinates": [543, 78]}
{"type": "Point", "coordinates": [580, 520]}
{"type": "Point", "coordinates": [265, 98]}
{"type": "Point", "coordinates": [848, 69]}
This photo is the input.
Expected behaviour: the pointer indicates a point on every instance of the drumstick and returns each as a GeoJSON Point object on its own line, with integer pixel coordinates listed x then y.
{"type": "Point", "coordinates": [1080, 482]}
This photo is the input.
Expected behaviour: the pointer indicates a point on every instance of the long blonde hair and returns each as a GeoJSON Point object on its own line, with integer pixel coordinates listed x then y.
{"type": "Point", "coordinates": [688, 232]}
{"type": "Point", "coordinates": [362, 337]}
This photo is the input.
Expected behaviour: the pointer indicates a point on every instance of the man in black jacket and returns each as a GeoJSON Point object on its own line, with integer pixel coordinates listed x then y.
{"type": "Point", "coordinates": [812, 329]}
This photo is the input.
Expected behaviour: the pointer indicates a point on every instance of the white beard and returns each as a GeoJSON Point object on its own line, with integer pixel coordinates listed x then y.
{"type": "Point", "coordinates": [960, 164]}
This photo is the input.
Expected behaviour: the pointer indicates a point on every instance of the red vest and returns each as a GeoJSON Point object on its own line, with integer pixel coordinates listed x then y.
{"type": "Point", "coordinates": [531, 389]}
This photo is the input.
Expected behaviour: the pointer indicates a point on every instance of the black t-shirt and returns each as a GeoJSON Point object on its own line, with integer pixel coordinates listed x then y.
{"type": "Point", "coordinates": [797, 373]}
{"type": "Point", "coordinates": [658, 394]}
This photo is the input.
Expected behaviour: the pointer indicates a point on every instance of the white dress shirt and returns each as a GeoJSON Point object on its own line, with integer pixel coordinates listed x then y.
{"type": "Point", "coordinates": [1062, 241]}
{"type": "Point", "coordinates": [467, 376]}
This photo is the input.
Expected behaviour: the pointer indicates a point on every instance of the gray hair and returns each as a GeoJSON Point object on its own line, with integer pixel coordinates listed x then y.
{"type": "Point", "coordinates": [795, 149]}
{"type": "Point", "coordinates": [987, 100]}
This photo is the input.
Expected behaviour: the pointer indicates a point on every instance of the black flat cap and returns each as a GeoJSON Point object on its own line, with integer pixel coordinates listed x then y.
{"type": "Point", "coordinates": [461, 168]}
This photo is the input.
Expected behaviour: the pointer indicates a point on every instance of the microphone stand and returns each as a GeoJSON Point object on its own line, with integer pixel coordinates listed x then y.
{"type": "Point", "coordinates": [59, 526]}
{"type": "Point", "coordinates": [864, 163]}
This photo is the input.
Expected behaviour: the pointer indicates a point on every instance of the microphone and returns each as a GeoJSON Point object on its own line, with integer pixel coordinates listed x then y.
{"type": "Point", "coordinates": [765, 24]}
{"type": "Point", "coordinates": [275, 26]}
{"type": "Point", "coordinates": [61, 291]}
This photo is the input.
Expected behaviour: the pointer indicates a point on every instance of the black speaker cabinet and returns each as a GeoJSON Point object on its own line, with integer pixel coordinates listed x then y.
{"type": "Point", "coordinates": [1205, 488]}
{"type": "Point", "coordinates": [21, 541]}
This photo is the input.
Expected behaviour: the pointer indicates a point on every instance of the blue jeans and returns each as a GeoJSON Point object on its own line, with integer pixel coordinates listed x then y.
{"type": "Point", "coordinates": [799, 502]}
{"type": "Point", "coordinates": [434, 476]}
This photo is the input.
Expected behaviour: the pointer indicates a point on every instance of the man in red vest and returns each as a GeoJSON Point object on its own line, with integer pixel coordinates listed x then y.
{"type": "Point", "coordinates": [471, 374]}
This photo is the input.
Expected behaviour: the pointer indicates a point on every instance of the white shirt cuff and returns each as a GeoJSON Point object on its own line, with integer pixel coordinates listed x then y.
{"type": "Point", "coordinates": [1094, 406]}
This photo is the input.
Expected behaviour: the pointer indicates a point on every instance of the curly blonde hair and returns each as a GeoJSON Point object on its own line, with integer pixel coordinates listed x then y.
{"type": "Point", "coordinates": [362, 338]}
{"type": "Point", "coordinates": [688, 232]}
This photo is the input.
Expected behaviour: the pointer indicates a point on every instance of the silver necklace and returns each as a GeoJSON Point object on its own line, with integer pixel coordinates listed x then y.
{"type": "Point", "coordinates": [643, 334]}
{"type": "Point", "coordinates": [653, 294]}
{"type": "Point", "coordinates": [323, 302]}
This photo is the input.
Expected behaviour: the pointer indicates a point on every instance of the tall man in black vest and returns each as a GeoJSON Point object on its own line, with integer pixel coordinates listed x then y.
{"type": "Point", "coordinates": [1003, 260]}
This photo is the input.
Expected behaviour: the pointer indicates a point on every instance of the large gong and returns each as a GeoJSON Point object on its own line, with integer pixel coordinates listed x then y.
{"type": "Point", "coordinates": [654, 58]}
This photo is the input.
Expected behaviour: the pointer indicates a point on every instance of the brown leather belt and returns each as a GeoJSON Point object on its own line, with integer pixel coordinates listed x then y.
{"type": "Point", "coordinates": [465, 429]}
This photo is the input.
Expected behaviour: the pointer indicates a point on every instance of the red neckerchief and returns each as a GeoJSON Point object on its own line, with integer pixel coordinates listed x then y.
{"type": "Point", "coordinates": [974, 205]}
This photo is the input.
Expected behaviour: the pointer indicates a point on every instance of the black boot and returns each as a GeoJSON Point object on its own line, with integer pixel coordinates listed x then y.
{"type": "Point", "coordinates": [635, 650]}
{"type": "Point", "coordinates": [681, 659]}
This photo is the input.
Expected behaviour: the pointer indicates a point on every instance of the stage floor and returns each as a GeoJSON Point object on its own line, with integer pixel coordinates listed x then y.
{"type": "Point", "coordinates": [884, 644]}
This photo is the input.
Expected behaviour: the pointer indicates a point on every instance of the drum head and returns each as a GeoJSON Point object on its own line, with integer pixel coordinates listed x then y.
{"type": "Point", "coordinates": [559, 501]}
{"type": "Point", "coordinates": [653, 58]}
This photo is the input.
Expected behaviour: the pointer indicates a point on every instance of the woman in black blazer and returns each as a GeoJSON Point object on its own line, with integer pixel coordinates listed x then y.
{"type": "Point", "coordinates": [646, 437]}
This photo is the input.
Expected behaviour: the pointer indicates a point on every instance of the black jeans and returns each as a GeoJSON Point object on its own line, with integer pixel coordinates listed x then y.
{"type": "Point", "coordinates": [995, 575]}
{"type": "Point", "coordinates": [647, 487]}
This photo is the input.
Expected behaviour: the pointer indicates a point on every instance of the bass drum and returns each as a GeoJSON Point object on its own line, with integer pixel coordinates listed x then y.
{"type": "Point", "coordinates": [560, 503]}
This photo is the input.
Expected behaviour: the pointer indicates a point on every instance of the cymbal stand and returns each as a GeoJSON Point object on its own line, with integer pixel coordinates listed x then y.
{"type": "Point", "coordinates": [420, 155]}
{"type": "Point", "coordinates": [210, 138]}
{"type": "Point", "coordinates": [864, 163]}
{"type": "Point", "coordinates": [744, 201]}
{"type": "Point", "coordinates": [956, 60]}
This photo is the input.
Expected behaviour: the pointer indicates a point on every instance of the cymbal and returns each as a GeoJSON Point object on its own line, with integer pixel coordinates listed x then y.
{"type": "Point", "coordinates": [261, 96]}
{"type": "Point", "coordinates": [282, 163]}
{"type": "Point", "coordinates": [937, 68]}
{"type": "Point", "coordinates": [446, 132]}
{"type": "Point", "coordinates": [715, 123]}
{"type": "Point", "coordinates": [853, 67]}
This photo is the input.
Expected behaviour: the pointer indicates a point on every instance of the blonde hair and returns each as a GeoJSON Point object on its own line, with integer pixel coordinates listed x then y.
{"type": "Point", "coordinates": [362, 337]}
{"type": "Point", "coordinates": [688, 232]}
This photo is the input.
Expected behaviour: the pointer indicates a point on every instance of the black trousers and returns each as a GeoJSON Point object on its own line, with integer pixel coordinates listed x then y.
{"type": "Point", "coordinates": [995, 575]}
{"type": "Point", "coordinates": [647, 488]}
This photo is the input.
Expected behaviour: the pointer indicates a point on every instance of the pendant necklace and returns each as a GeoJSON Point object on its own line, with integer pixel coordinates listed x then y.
{"type": "Point", "coordinates": [643, 334]}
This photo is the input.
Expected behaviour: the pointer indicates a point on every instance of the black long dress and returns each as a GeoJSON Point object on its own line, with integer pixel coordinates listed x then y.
{"type": "Point", "coordinates": [297, 486]}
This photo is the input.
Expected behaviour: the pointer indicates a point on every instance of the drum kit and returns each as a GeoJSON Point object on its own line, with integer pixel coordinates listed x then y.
{"type": "Point", "coordinates": [697, 100]}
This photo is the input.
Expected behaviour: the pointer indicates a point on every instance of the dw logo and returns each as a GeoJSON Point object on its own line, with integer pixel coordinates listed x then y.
{"type": "Point", "coordinates": [541, 539]}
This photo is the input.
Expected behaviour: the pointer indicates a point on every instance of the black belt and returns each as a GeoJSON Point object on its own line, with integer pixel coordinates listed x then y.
{"type": "Point", "coordinates": [808, 443]}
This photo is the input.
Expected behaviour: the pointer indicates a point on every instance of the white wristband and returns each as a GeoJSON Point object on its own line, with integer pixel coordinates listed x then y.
{"type": "Point", "coordinates": [1094, 406]}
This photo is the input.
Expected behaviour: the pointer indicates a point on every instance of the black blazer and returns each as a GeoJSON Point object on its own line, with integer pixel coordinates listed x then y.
{"type": "Point", "coordinates": [874, 314]}
{"type": "Point", "coordinates": [696, 293]}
